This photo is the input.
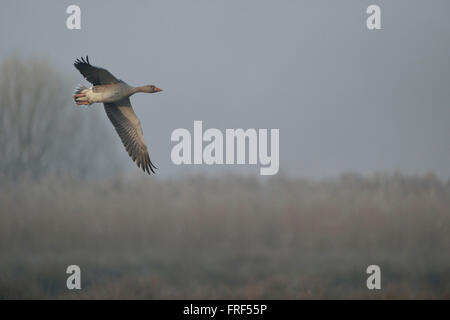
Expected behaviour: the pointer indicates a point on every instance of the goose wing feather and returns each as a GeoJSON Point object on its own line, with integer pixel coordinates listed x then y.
{"type": "Point", "coordinates": [93, 74]}
{"type": "Point", "coordinates": [129, 129]}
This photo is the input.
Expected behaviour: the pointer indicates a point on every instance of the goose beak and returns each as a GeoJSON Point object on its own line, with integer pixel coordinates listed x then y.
{"type": "Point", "coordinates": [158, 89]}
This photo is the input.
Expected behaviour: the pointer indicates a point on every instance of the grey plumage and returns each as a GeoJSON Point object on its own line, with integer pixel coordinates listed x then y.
{"type": "Point", "coordinates": [129, 129]}
{"type": "Point", "coordinates": [120, 111]}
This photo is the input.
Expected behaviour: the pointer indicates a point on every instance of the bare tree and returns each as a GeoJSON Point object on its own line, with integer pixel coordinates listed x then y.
{"type": "Point", "coordinates": [42, 132]}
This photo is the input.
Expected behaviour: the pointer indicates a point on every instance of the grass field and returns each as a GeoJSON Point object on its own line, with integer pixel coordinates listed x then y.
{"type": "Point", "coordinates": [226, 237]}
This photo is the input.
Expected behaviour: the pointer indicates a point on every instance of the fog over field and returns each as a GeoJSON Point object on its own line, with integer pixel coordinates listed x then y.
{"type": "Point", "coordinates": [364, 170]}
{"type": "Point", "coordinates": [228, 237]}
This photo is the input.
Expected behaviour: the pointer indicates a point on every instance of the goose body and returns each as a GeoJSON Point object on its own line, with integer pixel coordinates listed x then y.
{"type": "Point", "coordinates": [103, 93]}
{"type": "Point", "coordinates": [115, 96]}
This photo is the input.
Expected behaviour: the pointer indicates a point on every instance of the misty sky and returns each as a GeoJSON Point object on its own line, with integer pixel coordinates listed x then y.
{"type": "Point", "coordinates": [344, 98]}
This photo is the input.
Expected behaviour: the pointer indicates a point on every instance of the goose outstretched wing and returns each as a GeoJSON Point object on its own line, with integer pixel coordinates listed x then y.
{"type": "Point", "coordinates": [129, 129]}
{"type": "Point", "coordinates": [93, 74]}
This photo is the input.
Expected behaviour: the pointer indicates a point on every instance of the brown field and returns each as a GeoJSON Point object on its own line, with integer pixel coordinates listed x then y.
{"type": "Point", "coordinates": [226, 237]}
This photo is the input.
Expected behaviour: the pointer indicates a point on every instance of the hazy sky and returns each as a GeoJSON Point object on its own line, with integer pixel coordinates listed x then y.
{"type": "Point", "coordinates": [344, 98]}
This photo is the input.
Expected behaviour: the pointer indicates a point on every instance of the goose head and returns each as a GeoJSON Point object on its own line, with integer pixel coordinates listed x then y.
{"type": "Point", "coordinates": [149, 89]}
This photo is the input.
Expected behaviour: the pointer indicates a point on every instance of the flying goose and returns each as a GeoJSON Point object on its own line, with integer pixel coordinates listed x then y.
{"type": "Point", "coordinates": [115, 96]}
